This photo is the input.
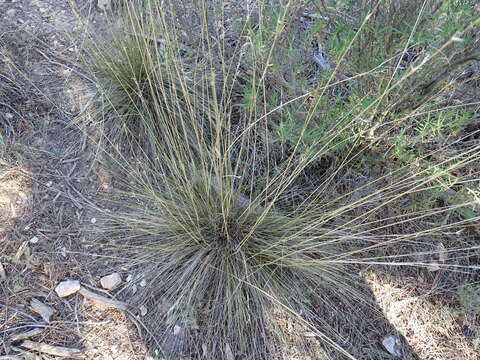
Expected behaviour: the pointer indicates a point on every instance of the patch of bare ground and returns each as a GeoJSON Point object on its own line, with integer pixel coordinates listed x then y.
{"type": "Point", "coordinates": [46, 179]}
{"type": "Point", "coordinates": [424, 307]}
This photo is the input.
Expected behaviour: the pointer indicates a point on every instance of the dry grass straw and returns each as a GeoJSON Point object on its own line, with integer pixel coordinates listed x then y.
{"type": "Point", "coordinates": [205, 212]}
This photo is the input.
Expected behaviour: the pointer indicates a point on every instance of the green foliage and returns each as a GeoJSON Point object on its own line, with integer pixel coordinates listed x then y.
{"type": "Point", "coordinates": [469, 296]}
{"type": "Point", "coordinates": [385, 44]}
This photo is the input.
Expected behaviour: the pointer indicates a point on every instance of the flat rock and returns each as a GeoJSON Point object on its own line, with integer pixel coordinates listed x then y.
{"type": "Point", "coordinates": [393, 344]}
{"type": "Point", "coordinates": [43, 310]}
{"type": "Point", "coordinates": [111, 281]}
{"type": "Point", "coordinates": [68, 287]}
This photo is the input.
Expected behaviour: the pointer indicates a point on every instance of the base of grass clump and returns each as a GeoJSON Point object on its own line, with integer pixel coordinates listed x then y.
{"type": "Point", "coordinates": [215, 275]}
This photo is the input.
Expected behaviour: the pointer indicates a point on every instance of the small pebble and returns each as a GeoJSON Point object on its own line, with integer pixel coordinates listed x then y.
{"type": "Point", "coordinates": [34, 240]}
{"type": "Point", "coordinates": [68, 287]}
{"type": "Point", "coordinates": [176, 330]}
{"type": "Point", "coordinates": [111, 281]}
{"type": "Point", "coordinates": [3, 273]}
{"type": "Point", "coordinates": [393, 345]}
{"type": "Point", "coordinates": [93, 220]}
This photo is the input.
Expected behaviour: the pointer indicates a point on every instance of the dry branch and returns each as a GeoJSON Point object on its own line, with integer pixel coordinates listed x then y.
{"type": "Point", "coordinates": [52, 349]}
{"type": "Point", "coordinates": [103, 300]}
{"type": "Point", "coordinates": [26, 335]}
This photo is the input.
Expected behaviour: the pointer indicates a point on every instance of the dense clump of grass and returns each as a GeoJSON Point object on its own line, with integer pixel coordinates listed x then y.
{"type": "Point", "coordinates": [147, 92]}
{"type": "Point", "coordinates": [227, 222]}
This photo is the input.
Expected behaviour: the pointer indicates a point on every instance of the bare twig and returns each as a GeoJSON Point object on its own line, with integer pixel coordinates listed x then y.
{"type": "Point", "coordinates": [74, 201]}
{"type": "Point", "coordinates": [52, 349]}
{"type": "Point", "coordinates": [29, 325]}
{"type": "Point", "coordinates": [70, 160]}
{"type": "Point", "coordinates": [103, 300]}
{"type": "Point", "coordinates": [70, 172]}
{"type": "Point", "coordinates": [26, 334]}
{"type": "Point", "coordinates": [45, 230]}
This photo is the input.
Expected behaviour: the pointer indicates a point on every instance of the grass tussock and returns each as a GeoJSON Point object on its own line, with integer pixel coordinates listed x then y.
{"type": "Point", "coordinates": [256, 182]}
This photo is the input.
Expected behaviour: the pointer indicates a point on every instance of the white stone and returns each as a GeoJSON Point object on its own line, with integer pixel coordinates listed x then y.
{"type": "Point", "coordinates": [68, 287]}
{"type": "Point", "coordinates": [111, 281]}
{"type": "Point", "coordinates": [3, 273]}
{"type": "Point", "coordinates": [393, 345]}
{"type": "Point", "coordinates": [43, 310]}
{"type": "Point", "coordinates": [93, 220]}
{"type": "Point", "coordinates": [176, 330]}
{"type": "Point", "coordinates": [143, 283]}
{"type": "Point", "coordinates": [34, 240]}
